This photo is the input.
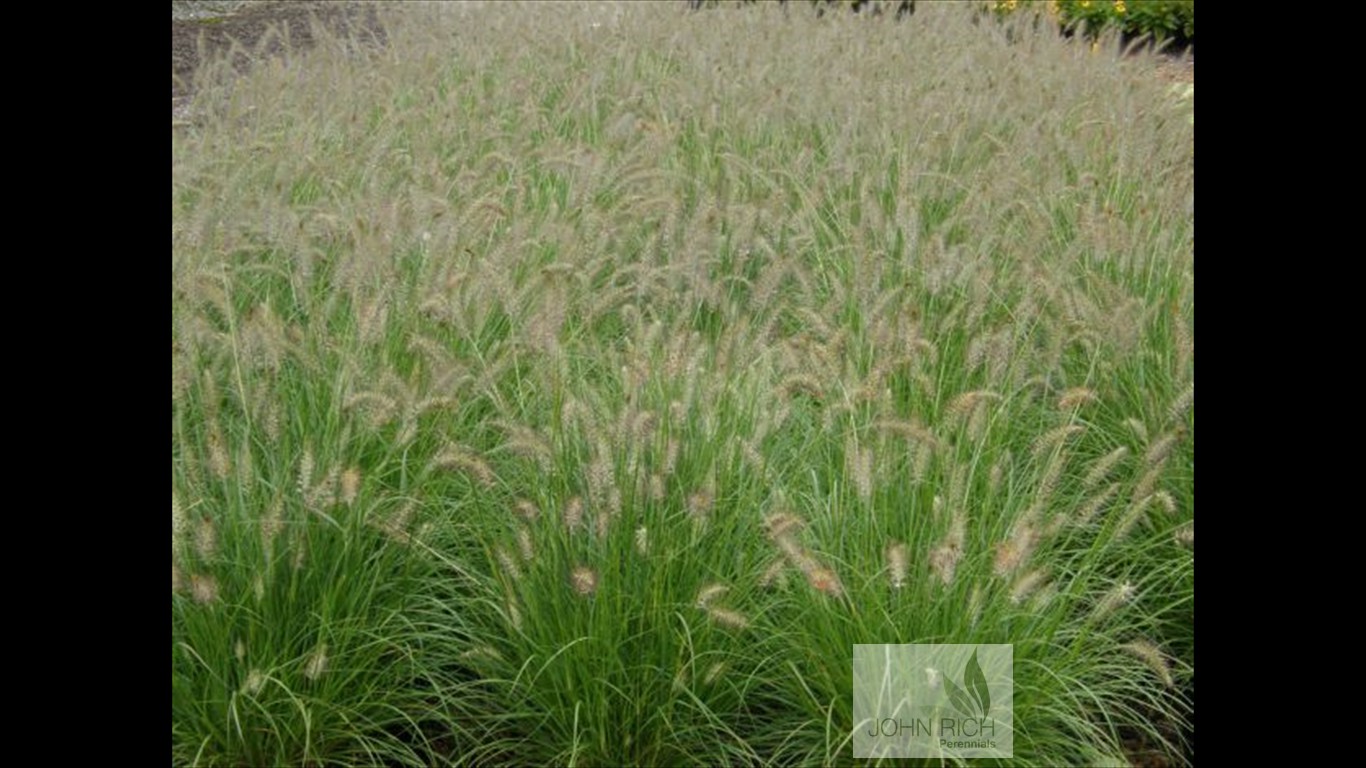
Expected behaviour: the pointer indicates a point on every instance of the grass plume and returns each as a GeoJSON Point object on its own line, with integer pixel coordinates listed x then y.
{"type": "Point", "coordinates": [616, 369]}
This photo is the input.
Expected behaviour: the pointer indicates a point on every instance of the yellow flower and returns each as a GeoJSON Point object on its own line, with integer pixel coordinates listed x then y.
{"type": "Point", "coordinates": [1119, 6]}
{"type": "Point", "coordinates": [1085, 3]}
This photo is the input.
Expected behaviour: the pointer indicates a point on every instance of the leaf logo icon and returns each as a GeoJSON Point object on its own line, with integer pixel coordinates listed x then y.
{"type": "Point", "coordinates": [976, 700]}
{"type": "Point", "coordinates": [976, 682]}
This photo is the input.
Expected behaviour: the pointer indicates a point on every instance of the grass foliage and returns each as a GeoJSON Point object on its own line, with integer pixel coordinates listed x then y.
{"type": "Point", "coordinates": [576, 388]}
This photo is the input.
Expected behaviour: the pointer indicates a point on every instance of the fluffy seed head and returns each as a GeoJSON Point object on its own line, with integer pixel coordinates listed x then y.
{"type": "Point", "coordinates": [527, 509]}
{"type": "Point", "coordinates": [796, 555]}
{"type": "Point", "coordinates": [305, 473]}
{"type": "Point", "coordinates": [1139, 429]}
{"type": "Point", "coordinates": [601, 477]}
{"type": "Point", "coordinates": [1076, 397]}
{"type": "Point", "coordinates": [218, 455]}
{"type": "Point", "coordinates": [825, 581]}
{"type": "Point", "coordinates": [1053, 437]}
{"type": "Point", "coordinates": [1026, 585]}
{"type": "Point", "coordinates": [379, 408]}
{"type": "Point", "coordinates": [944, 562]}
{"type": "Point", "coordinates": [909, 430]}
{"type": "Point", "coordinates": [316, 666]}
{"type": "Point", "coordinates": [958, 528]}
{"type": "Point", "coordinates": [1101, 469]}
{"type": "Point", "coordinates": [203, 588]}
{"type": "Point", "coordinates": [896, 564]}
{"type": "Point", "coordinates": [255, 681]}
{"type": "Point", "coordinates": [1152, 655]}
{"type": "Point", "coordinates": [350, 485]}
{"type": "Point", "coordinates": [395, 525]}
{"type": "Point", "coordinates": [775, 575]}
{"type": "Point", "coordinates": [995, 476]}
{"type": "Point", "coordinates": [1166, 500]}
{"type": "Point", "coordinates": [530, 445]}
{"type": "Point", "coordinates": [671, 451]}
{"type": "Point", "coordinates": [643, 425]}
{"type": "Point", "coordinates": [859, 465]}
{"type": "Point", "coordinates": [179, 523]}
{"type": "Point", "coordinates": [753, 456]}
{"type": "Point", "coordinates": [920, 466]}
{"type": "Point", "coordinates": [462, 459]}
{"type": "Point", "coordinates": [205, 538]}
{"type": "Point", "coordinates": [483, 651]}
{"type": "Point", "coordinates": [584, 580]}
{"type": "Point", "coordinates": [508, 563]}
{"type": "Point", "coordinates": [1185, 536]}
{"type": "Point", "coordinates": [1092, 507]}
{"type": "Point", "coordinates": [969, 401]}
{"type": "Point", "coordinates": [524, 544]}
{"type": "Point", "coordinates": [1161, 449]}
{"type": "Point", "coordinates": [1048, 482]}
{"type": "Point", "coordinates": [710, 593]}
{"type": "Point", "coordinates": [1182, 404]}
{"type": "Point", "coordinates": [1012, 553]}
{"type": "Point", "coordinates": [1145, 485]}
{"type": "Point", "coordinates": [933, 678]}
{"type": "Point", "coordinates": [975, 603]}
{"type": "Point", "coordinates": [781, 525]}
{"type": "Point", "coordinates": [324, 494]}
{"type": "Point", "coordinates": [802, 384]}
{"type": "Point", "coordinates": [1118, 597]}
{"type": "Point", "coordinates": [977, 424]}
{"type": "Point", "coordinates": [1136, 513]}
{"type": "Point", "coordinates": [727, 618]}
{"type": "Point", "coordinates": [700, 504]}
{"type": "Point", "coordinates": [573, 514]}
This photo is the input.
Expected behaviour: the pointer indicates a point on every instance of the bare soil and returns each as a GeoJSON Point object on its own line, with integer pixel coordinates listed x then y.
{"type": "Point", "coordinates": [249, 31]}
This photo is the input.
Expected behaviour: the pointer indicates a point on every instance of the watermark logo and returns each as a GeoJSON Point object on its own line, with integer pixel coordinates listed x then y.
{"type": "Point", "coordinates": [977, 701]}
{"type": "Point", "coordinates": [933, 701]}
